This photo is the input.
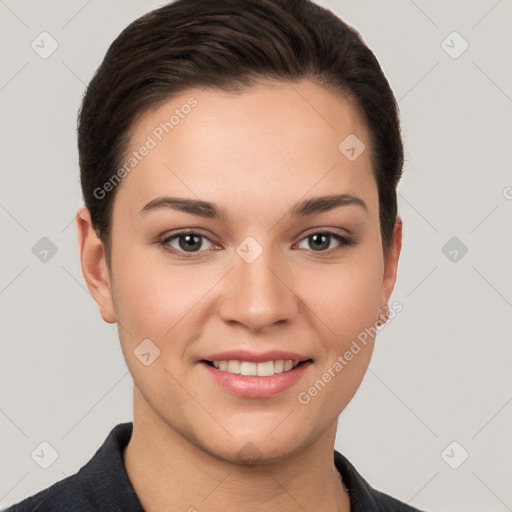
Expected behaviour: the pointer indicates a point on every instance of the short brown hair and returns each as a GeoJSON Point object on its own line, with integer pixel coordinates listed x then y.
{"type": "Point", "coordinates": [229, 44]}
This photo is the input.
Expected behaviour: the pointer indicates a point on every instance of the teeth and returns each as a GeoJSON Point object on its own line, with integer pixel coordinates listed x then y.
{"type": "Point", "coordinates": [265, 369]}
{"type": "Point", "coordinates": [247, 368]}
{"type": "Point", "coordinates": [233, 367]}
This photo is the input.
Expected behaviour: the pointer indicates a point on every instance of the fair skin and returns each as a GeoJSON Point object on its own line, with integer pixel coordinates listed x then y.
{"type": "Point", "coordinates": [195, 443]}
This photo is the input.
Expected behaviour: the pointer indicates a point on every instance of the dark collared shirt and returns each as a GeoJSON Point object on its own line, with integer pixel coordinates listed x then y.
{"type": "Point", "coordinates": [103, 485]}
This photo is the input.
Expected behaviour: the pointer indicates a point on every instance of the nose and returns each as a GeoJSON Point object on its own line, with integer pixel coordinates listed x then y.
{"type": "Point", "coordinates": [258, 295]}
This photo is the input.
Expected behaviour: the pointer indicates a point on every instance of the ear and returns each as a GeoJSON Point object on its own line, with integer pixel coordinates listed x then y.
{"type": "Point", "coordinates": [391, 263]}
{"type": "Point", "coordinates": [94, 265]}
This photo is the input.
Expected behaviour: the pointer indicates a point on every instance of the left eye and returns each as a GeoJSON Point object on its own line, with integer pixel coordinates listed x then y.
{"type": "Point", "coordinates": [322, 240]}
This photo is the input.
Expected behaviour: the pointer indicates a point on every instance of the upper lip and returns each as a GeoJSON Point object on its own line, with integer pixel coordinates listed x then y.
{"type": "Point", "coordinates": [257, 357]}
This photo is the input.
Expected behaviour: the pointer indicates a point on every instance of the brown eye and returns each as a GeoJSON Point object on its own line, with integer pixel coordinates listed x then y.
{"type": "Point", "coordinates": [321, 241]}
{"type": "Point", "coordinates": [183, 243]}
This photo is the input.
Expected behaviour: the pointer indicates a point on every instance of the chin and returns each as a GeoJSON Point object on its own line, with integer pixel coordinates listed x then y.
{"type": "Point", "coordinates": [251, 455]}
{"type": "Point", "coordinates": [253, 449]}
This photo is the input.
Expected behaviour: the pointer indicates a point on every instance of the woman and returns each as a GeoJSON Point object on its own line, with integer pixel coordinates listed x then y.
{"type": "Point", "coordinates": [239, 163]}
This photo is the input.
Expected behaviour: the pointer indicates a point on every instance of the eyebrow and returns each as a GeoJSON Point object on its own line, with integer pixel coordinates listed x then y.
{"type": "Point", "coordinates": [311, 206]}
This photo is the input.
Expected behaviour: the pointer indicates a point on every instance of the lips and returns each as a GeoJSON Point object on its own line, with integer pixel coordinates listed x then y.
{"type": "Point", "coordinates": [256, 375]}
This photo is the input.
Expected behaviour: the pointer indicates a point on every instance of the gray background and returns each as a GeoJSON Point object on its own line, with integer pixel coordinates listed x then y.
{"type": "Point", "coordinates": [441, 371]}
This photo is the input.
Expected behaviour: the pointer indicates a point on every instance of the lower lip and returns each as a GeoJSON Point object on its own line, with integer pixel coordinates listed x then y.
{"type": "Point", "coordinates": [256, 387]}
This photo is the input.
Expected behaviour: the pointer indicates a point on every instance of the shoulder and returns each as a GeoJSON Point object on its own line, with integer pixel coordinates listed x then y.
{"type": "Point", "coordinates": [363, 497]}
{"type": "Point", "coordinates": [64, 495]}
{"type": "Point", "coordinates": [100, 485]}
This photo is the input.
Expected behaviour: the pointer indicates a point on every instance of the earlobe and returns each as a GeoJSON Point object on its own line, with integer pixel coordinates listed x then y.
{"type": "Point", "coordinates": [94, 265]}
{"type": "Point", "coordinates": [391, 263]}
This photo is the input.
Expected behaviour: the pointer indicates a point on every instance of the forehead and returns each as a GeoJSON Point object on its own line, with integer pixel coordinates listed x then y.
{"type": "Point", "coordinates": [273, 139]}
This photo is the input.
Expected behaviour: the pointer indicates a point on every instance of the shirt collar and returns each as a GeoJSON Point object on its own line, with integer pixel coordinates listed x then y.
{"type": "Point", "coordinates": [104, 478]}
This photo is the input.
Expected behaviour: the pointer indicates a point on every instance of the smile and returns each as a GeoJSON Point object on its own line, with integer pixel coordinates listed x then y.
{"type": "Point", "coordinates": [255, 379]}
{"type": "Point", "coordinates": [262, 369]}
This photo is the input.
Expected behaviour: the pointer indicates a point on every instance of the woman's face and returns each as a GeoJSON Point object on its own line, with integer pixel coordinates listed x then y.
{"type": "Point", "coordinates": [267, 281]}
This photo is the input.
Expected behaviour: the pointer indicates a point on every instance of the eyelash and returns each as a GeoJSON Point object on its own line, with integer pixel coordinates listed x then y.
{"type": "Point", "coordinates": [164, 243]}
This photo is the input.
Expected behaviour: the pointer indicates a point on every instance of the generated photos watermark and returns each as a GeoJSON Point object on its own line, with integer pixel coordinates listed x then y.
{"type": "Point", "coordinates": [151, 142]}
{"type": "Point", "coordinates": [304, 397]}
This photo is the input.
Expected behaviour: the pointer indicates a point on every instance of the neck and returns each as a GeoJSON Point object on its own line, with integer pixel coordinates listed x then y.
{"type": "Point", "coordinates": [168, 472]}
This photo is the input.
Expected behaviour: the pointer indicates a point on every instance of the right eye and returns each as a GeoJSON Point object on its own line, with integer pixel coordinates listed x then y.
{"type": "Point", "coordinates": [185, 244]}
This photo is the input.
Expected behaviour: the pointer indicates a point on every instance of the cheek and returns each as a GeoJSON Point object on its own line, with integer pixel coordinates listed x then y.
{"type": "Point", "coordinates": [155, 299]}
{"type": "Point", "coordinates": [346, 297]}
{"type": "Point", "coordinates": [347, 303]}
